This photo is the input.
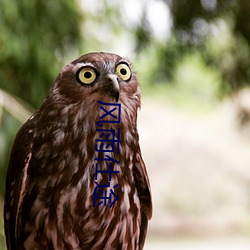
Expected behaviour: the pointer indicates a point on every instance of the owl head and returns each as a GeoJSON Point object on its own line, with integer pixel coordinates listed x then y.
{"type": "Point", "coordinates": [99, 76]}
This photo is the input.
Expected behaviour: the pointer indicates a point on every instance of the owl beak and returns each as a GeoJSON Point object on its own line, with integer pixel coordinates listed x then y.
{"type": "Point", "coordinates": [114, 86]}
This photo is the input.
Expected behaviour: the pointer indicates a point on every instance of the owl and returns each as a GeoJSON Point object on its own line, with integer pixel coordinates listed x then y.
{"type": "Point", "coordinates": [76, 178]}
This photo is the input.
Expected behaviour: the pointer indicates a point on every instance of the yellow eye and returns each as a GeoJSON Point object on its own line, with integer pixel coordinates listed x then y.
{"type": "Point", "coordinates": [86, 75]}
{"type": "Point", "coordinates": [123, 71]}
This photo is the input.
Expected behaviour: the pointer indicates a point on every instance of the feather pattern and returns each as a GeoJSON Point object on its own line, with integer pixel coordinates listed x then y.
{"type": "Point", "coordinates": [51, 175]}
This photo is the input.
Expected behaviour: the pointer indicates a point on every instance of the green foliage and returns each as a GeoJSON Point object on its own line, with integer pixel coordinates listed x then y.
{"type": "Point", "coordinates": [2, 237]}
{"type": "Point", "coordinates": [196, 23]}
{"type": "Point", "coordinates": [34, 37]}
{"type": "Point", "coordinates": [231, 56]}
{"type": "Point", "coordinates": [193, 85]}
{"type": "Point", "coordinates": [202, 26]}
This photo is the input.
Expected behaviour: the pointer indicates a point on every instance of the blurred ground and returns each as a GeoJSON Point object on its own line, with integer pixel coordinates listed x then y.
{"type": "Point", "coordinates": [205, 244]}
{"type": "Point", "coordinates": [198, 166]}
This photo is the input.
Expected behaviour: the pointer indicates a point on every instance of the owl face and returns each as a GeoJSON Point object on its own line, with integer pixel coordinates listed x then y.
{"type": "Point", "coordinates": [98, 76]}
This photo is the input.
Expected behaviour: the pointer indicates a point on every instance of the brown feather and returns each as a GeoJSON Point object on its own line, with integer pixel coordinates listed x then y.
{"type": "Point", "coordinates": [51, 175]}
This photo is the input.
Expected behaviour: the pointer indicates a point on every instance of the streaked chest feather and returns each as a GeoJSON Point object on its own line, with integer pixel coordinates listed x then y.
{"type": "Point", "coordinates": [63, 201]}
{"type": "Point", "coordinates": [119, 222]}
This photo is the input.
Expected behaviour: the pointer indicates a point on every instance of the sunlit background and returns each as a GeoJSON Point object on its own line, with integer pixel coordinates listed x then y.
{"type": "Point", "coordinates": [192, 60]}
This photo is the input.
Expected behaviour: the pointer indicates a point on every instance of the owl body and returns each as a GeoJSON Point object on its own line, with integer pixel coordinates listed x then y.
{"type": "Point", "coordinates": [51, 179]}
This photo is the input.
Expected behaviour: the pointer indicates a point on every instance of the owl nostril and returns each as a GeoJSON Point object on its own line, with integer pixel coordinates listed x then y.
{"type": "Point", "coordinates": [112, 78]}
{"type": "Point", "coordinates": [113, 86]}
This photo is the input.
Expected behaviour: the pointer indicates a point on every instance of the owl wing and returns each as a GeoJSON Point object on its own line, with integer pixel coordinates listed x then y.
{"type": "Point", "coordinates": [144, 192]}
{"type": "Point", "coordinates": [16, 182]}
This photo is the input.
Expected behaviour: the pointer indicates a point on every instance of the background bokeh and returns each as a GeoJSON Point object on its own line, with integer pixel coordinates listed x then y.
{"type": "Point", "coordinates": [192, 60]}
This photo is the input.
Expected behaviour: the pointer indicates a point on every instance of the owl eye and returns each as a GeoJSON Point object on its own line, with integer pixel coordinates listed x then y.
{"type": "Point", "coordinates": [123, 71]}
{"type": "Point", "coordinates": [86, 75]}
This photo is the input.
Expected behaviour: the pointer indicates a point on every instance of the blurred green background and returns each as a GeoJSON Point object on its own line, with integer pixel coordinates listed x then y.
{"type": "Point", "coordinates": [192, 60]}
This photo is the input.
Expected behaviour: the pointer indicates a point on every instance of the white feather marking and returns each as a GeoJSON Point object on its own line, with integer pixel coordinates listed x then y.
{"type": "Point", "coordinates": [127, 191]}
{"type": "Point", "coordinates": [78, 66]}
{"type": "Point", "coordinates": [59, 138]}
{"type": "Point", "coordinates": [7, 216]}
{"type": "Point", "coordinates": [31, 117]}
{"type": "Point", "coordinates": [113, 236]}
{"type": "Point", "coordinates": [11, 193]}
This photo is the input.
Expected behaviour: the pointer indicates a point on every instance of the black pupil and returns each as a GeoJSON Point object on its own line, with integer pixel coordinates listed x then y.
{"type": "Point", "coordinates": [87, 75]}
{"type": "Point", "coordinates": [123, 71]}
